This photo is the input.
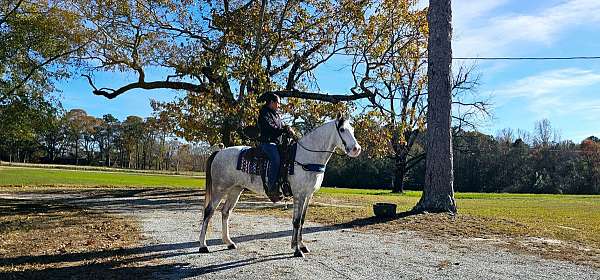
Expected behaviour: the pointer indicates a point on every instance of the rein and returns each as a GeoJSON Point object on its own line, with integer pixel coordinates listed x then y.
{"type": "Point", "coordinates": [319, 167]}
{"type": "Point", "coordinates": [317, 151]}
{"type": "Point", "coordinates": [337, 128]}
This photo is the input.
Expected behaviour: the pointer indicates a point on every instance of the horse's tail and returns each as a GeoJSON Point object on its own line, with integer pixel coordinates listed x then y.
{"type": "Point", "coordinates": [209, 178]}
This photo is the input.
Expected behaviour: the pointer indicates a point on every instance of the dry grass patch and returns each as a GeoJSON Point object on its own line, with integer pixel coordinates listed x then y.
{"type": "Point", "coordinates": [46, 239]}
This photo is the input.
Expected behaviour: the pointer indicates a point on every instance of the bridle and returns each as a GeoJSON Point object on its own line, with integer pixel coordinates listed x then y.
{"type": "Point", "coordinates": [337, 128]}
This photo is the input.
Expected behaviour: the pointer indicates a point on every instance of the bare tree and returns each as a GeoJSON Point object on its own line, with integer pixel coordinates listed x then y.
{"type": "Point", "coordinates": [506, 135]}
{"type": "Point", "coordinates": [542, 133]}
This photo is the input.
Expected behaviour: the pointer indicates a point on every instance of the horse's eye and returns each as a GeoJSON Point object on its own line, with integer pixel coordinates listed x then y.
{"type": "Point", "coordinates": [342, 129]}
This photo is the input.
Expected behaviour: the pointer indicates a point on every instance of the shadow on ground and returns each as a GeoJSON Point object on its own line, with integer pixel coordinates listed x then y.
{"type": "Point", "coordinates": [130, 263]}
{"type": "Point", "coordinates": [125, 200]}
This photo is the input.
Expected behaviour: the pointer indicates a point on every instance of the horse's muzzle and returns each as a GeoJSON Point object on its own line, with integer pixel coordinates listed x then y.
{"type": "Point", "coordinates": [354, 152]}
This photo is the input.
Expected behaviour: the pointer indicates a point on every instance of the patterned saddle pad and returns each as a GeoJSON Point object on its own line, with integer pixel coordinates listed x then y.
{"type": "Point", "coordinates": [254, 161]}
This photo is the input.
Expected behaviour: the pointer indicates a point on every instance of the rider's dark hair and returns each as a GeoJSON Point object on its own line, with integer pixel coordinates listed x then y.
{"type": "Point", "coordinates": [268, 97]}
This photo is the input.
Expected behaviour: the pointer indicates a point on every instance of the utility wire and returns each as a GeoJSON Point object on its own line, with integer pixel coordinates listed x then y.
{"type": "Point", "coordinates": [529, 58]}
{"type": "Point", "coordinates": [498, 58]}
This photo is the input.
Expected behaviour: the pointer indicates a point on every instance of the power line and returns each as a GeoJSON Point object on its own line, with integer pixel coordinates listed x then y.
{"type": "Point", "coordinates": [530, 58]}
{"type": "Point", "coordinates": [474, 58]}
{"type": "Point", "coordinates": [487, 58]}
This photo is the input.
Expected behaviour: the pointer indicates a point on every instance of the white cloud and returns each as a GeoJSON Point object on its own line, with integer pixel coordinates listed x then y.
{"type": "Point", "coordinates": [464, 11]}
{"type": "Point", "coordinates": [478, 36]}
{"type": "Point", "coordinates": [551, 82]}
{"type": "Point", "coordinates": [556, 92]}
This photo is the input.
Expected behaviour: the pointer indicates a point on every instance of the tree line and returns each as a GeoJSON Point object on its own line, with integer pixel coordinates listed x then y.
{"type": "Point", "coordinates": [47, 134]}
{"type": "Point", "coordinates": [39, 131]}
{"type": "Point", "coordinates": [511, 161]}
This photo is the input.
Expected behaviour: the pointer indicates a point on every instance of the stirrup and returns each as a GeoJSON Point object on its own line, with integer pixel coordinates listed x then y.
{"type": "Point", "coordinates": [275, 197]}
{"type": "Point", "coordinates": [286, 188]}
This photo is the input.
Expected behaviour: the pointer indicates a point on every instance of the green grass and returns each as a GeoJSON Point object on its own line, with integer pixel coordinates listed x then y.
{"type": "Point", "coordinates": [17, 176]}
{"type": "Point", "coordinates": [99, 168]}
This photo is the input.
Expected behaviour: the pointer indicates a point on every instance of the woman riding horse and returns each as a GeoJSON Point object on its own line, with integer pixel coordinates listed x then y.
{"type": "Point", "coordinates": [270, 129]}
{"type": "Point", "coordinates": [225, 181]}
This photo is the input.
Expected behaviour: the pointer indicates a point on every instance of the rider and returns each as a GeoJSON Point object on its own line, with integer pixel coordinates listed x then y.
{"type": "Point", "coordinates": [271, 128]}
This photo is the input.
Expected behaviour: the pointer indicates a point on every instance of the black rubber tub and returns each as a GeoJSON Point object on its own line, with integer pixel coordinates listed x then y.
{"type": "Point", "coordinates": [384, 210]}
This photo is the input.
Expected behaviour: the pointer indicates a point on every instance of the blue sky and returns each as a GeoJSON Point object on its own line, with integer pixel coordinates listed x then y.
{"type": "Point", "coordinates": [565, 92]}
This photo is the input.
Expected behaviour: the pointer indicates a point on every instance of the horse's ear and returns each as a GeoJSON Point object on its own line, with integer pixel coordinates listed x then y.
{"type": "Point", "coordinates": [341, 117]}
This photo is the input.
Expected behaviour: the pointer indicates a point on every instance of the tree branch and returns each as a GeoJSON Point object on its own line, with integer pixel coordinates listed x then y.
{"type": "Point", "coordinates": [41, 65]}
{"type": "Point", "coordinates": [414, 161]}
{"type": "Point", "coordinates": [112, 93]}
{"type": "Point", "coordinates": [332, 98]}
{"type": "Point", "coordinates": [13, 10]}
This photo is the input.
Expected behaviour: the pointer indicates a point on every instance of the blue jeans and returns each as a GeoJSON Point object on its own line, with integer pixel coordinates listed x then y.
{"type": "Point", "coordinates": [271, 150]}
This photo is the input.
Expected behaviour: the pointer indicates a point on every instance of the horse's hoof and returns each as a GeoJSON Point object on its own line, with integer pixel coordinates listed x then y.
{"type": "Point", "coordinates": [304, 250]}
{"type": "Point", "coordinates": [298, 254]}
{"type": "Point", "coordinates": [231, 246]}
{"type": "Point", "coordinates": [203, 250]}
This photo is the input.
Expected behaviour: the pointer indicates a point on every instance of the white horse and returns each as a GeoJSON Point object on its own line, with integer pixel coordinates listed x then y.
{"type": "Point", "coordinates": [316, 147]}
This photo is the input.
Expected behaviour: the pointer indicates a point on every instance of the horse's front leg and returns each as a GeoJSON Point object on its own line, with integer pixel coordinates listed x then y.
{"type": "Point", "coordinates": [303, 247]}
{"type": "Point", "coordinates": [297, 222]}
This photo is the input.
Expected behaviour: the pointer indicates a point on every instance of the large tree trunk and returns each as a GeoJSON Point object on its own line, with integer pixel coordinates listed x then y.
{"type": "Point", "coordinates": [438, 192]}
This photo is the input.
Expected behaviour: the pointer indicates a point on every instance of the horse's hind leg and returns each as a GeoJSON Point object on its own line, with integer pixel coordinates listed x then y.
{"type": "Point", "coordinates": [232, 198]}
{"type": "Point", "coordinates": [209, 210]}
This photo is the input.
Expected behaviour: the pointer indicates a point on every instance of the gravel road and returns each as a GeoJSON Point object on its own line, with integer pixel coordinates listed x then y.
{"type": "Point", "coordinates": [170, 222]}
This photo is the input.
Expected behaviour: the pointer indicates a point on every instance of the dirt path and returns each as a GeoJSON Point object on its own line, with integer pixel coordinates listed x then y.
{"type": "Point", "coordinates": [170, 222]}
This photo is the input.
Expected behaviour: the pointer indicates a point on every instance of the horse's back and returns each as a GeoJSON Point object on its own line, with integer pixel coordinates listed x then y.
{"type": "Point", "coordinates": [226, 158]}
{"type": "Point", "coordinates": [224, 170]}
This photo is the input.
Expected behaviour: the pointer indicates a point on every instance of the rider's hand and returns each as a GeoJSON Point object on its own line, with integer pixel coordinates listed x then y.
{"type": "Point", "coordinates": [290, 130]}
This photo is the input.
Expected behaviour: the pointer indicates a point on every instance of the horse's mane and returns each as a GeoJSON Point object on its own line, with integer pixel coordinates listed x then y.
{"type": "Point", "coordinates": [318, 127]}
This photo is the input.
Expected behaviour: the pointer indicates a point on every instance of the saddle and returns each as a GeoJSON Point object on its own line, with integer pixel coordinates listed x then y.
{"type": "Point", "coordinates": [254, 161]}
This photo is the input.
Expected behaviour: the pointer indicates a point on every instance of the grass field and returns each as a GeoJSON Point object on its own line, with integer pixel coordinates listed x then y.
{"type": "Point", "coordinates": [98, 168]}
{"type": "Point", "coordinates": [18, 176]}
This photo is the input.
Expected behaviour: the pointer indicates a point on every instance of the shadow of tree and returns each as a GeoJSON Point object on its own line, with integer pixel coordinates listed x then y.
{"type": "Point", "coordinates": [24, 207]}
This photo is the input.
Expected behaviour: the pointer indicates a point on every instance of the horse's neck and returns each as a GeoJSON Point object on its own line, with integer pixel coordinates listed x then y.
{"type": "Point", "coordinates": [320, 139]}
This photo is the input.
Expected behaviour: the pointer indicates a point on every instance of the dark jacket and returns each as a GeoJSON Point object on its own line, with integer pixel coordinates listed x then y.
{"type": "Point", "coordinates": [269, 124]}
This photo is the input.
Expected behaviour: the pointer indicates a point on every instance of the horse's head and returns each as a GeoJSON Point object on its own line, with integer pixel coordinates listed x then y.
{"type": "Point", "coordinates": [346, 140]}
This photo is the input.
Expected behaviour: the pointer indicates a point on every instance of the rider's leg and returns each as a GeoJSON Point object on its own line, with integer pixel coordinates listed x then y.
{"type": "Point", "coordinates": [271, 150]}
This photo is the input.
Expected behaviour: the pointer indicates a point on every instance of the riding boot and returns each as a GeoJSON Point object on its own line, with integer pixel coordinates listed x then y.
{"type": "Point", "coordinates": [274, 193]}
